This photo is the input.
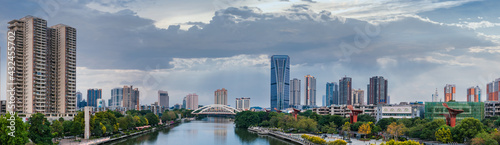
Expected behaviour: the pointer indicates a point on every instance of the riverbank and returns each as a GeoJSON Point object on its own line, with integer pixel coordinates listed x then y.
{"type": "Point", "coordinates": [105, 140]}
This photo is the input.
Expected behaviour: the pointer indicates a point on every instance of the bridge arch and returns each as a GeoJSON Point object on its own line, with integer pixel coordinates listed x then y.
{"type": "Point", "coordinates": [217, 109]}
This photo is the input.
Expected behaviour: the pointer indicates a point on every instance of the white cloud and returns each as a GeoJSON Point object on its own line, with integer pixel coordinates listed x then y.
{"type": "Point", "coordinates": [387, 62]}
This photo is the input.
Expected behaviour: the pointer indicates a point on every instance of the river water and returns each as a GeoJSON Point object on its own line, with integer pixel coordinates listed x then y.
{"type": "Point", "coordinates": [210, 131]}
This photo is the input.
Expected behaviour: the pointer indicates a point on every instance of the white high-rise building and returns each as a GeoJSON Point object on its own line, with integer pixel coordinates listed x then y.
{"type": "Point", "coordinates": [191, 101]}
{"type": "Point", "coordinates": [220, 96]}
{"type": "Point", "coordinates": [435, 97]}
{"type": "Point", "coordinates": [243, 103]}
{"type": "Point", "coordinates": [45, 67]}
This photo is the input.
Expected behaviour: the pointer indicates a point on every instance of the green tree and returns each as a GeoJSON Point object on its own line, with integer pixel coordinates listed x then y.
{"type": "Point", "coordinates": [16, 135]}
{"type": "Point", "coordinates": [57, 128]}
{"type": "Point", "coordinates": [76, 128]}
{"type": "Point", "coordinates": [152, 119]}
{"type": "Point", "coordinates": [443, 135]}
{"type": "Point", "coordinates": [116, 127]}
{"type": "Point", "coordinates": [366, 118]}
{"type": "Point", "coordinates": [337, 142]}
{"type": "Point", "coordinates": [384, 122]}
{"type": "Point", "coordinates": [483, 139]}
{"type": "Point", "coordinates": [467, 129]}
{"type": "Point", "coordinates": [39, 131]}
{"type": "Point", "coordinates": [246, 119]}
{"type": "Point", "coordinates": [99, 130]}
{"type": "Point", "coordinates": [67, 125]}
{"type": "Point", "coordinates": [61, 120]}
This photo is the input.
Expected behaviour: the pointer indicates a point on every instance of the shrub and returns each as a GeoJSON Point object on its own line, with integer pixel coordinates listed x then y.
{"type": "Point", "coordinates": [314, 139]}
{"type": "Point", "coordinates": [408, 142]}
{"type": "Point", "coordinates": [337, 142]}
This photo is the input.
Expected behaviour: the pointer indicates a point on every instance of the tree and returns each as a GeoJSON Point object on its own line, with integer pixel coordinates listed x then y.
{"type": "Point", "coordinates": [115, 127]}
{"type": "Point", "coordinates": [443, 135]}
{"type": "Point", "coordinates": [467, 129]}
{"type": "Point", "coordinates": [57, 128]}
{"type": "Point", "coordinates": [76, 128]}
{"type": "Point", "coordinates": [61, 120]}
{"type": "Point", "coordinates": [39, 131]}
{"type": "Point", "coordinates": [496, 136]}
{"type": "Point", "coordinates": [152, 119]}
{"type": "Point", "coordinates": [337, 142]}
{"type": "Point", "coordinates": [20, 134]}
{"type": "Point", "coordinates": [366, 118]}
{"type": "Point", "coordinates": [396, 129]}
{"type": "Point", "coordinates": [365, 129]}
{"type": "Point", "coordinates": [67, 125]}
{"type": "Point", "coordinates": [246, 119]}
{"type": "Point", "coordinates": [99, 130]}
{"type": "Point", "coordinates": [483, 139]}
{"type": "Point", "coordinates": [384, 122]}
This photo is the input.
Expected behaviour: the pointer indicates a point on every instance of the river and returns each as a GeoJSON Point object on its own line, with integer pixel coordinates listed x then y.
{"type": "Point", "coordinates": [209, 131]}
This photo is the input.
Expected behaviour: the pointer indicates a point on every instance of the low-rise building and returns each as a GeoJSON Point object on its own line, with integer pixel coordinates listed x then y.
{"type": "Point", "coordinates": [3, 106]}
{"type": "Point", "coordinates": [433, 110]}
{"type": "Point", "coordinates": [342, 110]}
{"type": "Point", "coordinates": [397, 111]}
{"type": "Point", "coordinates": [491, 108]}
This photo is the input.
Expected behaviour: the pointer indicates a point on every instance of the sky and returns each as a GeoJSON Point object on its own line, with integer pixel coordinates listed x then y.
{"type": "Point", "coordinates": [199, 46]}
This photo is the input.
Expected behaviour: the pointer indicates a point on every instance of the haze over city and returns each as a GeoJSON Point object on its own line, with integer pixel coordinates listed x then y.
{"type": "Point", "coordinates": [201, 46]}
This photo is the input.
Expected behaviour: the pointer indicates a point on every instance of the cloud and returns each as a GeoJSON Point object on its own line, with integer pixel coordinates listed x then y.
{"type": "Point", "coordinates": [231, 50]}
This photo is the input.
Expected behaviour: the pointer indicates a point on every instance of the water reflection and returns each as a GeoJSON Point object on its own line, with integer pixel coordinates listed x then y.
{"type": "Point", "coordinates": [210, 131]}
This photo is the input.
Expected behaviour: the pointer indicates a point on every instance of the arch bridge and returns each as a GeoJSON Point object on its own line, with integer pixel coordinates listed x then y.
{"type": "Point", "coordinates": [216, 109]}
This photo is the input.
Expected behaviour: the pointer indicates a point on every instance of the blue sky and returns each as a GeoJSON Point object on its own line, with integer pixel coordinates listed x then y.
{"type": "Point", "coordinates": [199, 46]}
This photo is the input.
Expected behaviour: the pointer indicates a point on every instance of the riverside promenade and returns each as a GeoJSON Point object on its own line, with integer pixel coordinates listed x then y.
{"type": "Point", "coordinates": [278, 134]}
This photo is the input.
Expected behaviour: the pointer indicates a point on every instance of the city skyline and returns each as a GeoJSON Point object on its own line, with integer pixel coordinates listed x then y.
{"type": "Point", "coordinates": [458, 47]}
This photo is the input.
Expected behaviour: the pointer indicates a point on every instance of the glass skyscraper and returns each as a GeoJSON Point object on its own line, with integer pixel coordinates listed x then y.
{"type": "Point", "coordinates": [332, 94]}
{"type": "Point", "coordinates": [280, 82]}
{"type": "Point", "coordinates": [345, 91]}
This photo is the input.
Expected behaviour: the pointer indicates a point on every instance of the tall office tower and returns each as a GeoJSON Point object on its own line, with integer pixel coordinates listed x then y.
{"type": "Point", "coordinates": [243, 103]}
{"type": "Point", "coordinates": [345, 90]}
{"type": "Point", "coordinates": [184, 103]}
{"type": "Point", "coordinates": [131, 97]}
{"type": "Point", "coordinates": [191, 101]}
{"type": "Point", "coordinates": [377, 91]}
{"type": "Point", "coordinates": [117, 97]}
{"type": "Point", "coordinates": [78, 99]}
{"type": "Point", "coordinates": [449, 92]}
{"type": "Point", "coordinates": [492, 90]}
{"type": "Point", "coordinates": [323, 103]}
{"type": "Point", "coordinates": [358, 97]}
{"type": "Point", "coordinates": [280, 82]}
{"type": "Point", "coordinates": [92, 96]}
{"type": "Point", "coordinates": [435, 97]}
{"type": "Point", "coordinates": [295, 92]}
{"type": "Point", "coordinates": [163, 98]}
{"type": "Point", "coordinates": [474, 94]}
{"type": "Point", "coordinates": [220, 96]}
{"type": "Point", "coordinates": [310, 91]}
{"type": "Point", "coordinates": [45, 67]}
{"type": "Point", "coordinates": [332, 94]}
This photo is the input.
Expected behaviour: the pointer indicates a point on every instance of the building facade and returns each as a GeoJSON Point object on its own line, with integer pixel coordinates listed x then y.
{"type": "Point", "coordinates": [449, 92]}
{"type": "Point", "coordinates": [345, 91]}
{"type": "Point", "coordinates": [474, 94]}
{"type": "Point", "coordinates": [92, 96]}
{"type": "Point", "coordinates": [492, 90]}
{"type": "Point", "coordinates": [45, 67]}
{"type": "Point", "coordinates": [358, 97]}
{"type": "Point", "coordinates": [243, 103]}
{"type": "Point", "coordinates": [397, 111]}
{"type": "Point", "coordinates": [491, 108]}
{"type": "Point", "coordinates": [295, 92]}
{"type": "Point", "coordinates": [332, 94]}
{"type": "Point", "coordinates": [3, 106]}
{"type": "Point", "coordinates": [280, 82]}
{"type": "Point", "coordinates": [377, 91]}
{"type": "Point", "coordinates": [191, 101]}
{"type": "Point", "coordinates": [342, 110]}
{"type": "Point", "coordinates": [79, 98]}
{"type": "Point", "coordinates": [101, 103]}
{"type": "Point", "coordinates": [433, 110]}
{"type": "Point", "coordinates": [163, 98]}
{"type": "Point", "coordinates": [220, 96]}
{"type": "Point", "coordinates": [310, 91]}
{"type": "Point", "coordinates": [117, 97]}
{"type": "Point", "coordinates": [131, 98]}
{"type": "Point", "coordinates": [435, 96]}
